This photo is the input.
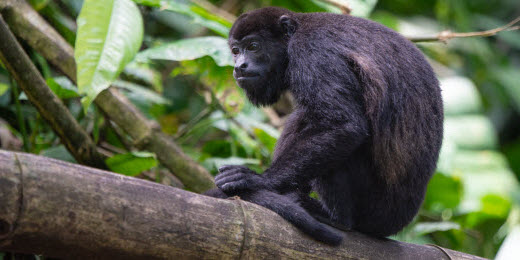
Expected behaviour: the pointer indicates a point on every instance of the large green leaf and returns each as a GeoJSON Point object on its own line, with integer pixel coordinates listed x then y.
{"type": "Point", "coordinates": [443, 192]}
{"type": "Point", "coordinates": [197, 14]}
{"type": "Point", "coordinates": [109, 35]}
{"type": "Point", "coordinates": [190, 49]}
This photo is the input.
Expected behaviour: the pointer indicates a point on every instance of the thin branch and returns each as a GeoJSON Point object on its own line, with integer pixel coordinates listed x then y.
{"type": "Point", "coordinates": [444, 36]}
{"type": "Point", "coordinates": [342, 5]}
{"type": "Point", "coordinates": [215, 10]}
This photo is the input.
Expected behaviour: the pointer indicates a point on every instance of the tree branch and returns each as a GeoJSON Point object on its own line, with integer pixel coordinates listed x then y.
{"type": "Point", "coordinates": [32, 28]}
{"type": "Point", "coordinates": [71, 134]}
{"type": "Point", "coordinates": [342, 5]}
{"type": "Point", "coordinates": [65, 210]}
{"type": "Point", "coordinates": [444, 36]}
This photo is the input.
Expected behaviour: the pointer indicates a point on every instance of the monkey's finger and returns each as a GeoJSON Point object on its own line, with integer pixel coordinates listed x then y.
{"type": "Point", "coordinates": [230, 178]}
{"type": "Point", "coordinates": [234, 186]}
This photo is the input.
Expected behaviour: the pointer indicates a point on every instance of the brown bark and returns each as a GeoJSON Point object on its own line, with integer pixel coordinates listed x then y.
{"type": "Point", "coordinates": [69, 211]}
{"type": "Point", "coordinates": [32, 28]}
{"type": "Point", "coordinates": [51, 108]}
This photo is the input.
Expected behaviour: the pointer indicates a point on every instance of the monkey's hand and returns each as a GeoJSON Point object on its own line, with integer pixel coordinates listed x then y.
{"type": "Point", "coordinates": [236, 178]}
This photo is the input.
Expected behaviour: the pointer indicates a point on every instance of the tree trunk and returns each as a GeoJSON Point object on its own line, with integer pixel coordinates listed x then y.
{"type": "Point", "coordinates": [64, 210]}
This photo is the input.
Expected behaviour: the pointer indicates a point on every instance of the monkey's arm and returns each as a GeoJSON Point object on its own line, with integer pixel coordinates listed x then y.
{"type": "Point", "coordinates": [312, 152]}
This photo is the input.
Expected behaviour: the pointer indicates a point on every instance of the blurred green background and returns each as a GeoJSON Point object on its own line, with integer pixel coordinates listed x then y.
{"type": "Point", "coordinates": [182, 78]}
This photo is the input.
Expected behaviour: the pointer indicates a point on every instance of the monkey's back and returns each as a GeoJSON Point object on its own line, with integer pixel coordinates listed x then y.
{"type": "Point", "coordinates": [401, 98]}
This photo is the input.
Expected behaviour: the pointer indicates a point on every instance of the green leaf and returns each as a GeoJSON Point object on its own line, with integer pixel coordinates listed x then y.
{"type": "Point", "coordinates": [249, 121]}
{"type": "Point", "coordinates": [38, 4]}
{"type": "Point", "coordinates": [143, 74]}
{"type": "Point", "coordinates": [478, 184]}
{"type": "Point", "coordinates": [221, 80]}
{"type": "Point", "coordinates": [190, 49]}
{"type": "Point", "coordinates": [132, 163]}
{"type": "Point", "coordinates": [242, 137]}
{"type": "Point", "coordinates": [142, 92]}
{"type": "Point", "coordinates": [265, 139]}
{"type": "Point", "coordinates": [62, 87]}
{"type": "Point", "coordinates": [109, 35]}
{"type": "Point", "coordinates": [217, 148]}
{"type": "Point", "coordinates": [3, 88]}
{"type": "Point", "coordinates": [492, 207]}
{"type": "Point", "coordinates": [424, 228]}
{"type": "Point", "coordinates": [197, 14]}
{"type": "Point", "coordinates": [58, 152]}
{"type": "Point", "coordinates": [443, 192]}
{"type": "Point", "coordinates": [496, 205]}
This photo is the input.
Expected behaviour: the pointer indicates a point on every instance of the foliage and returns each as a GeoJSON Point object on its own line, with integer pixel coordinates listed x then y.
{"type": "Point", "coordinates": [170, 58]}
{"type": "Point", "coordinates": [109, 35]}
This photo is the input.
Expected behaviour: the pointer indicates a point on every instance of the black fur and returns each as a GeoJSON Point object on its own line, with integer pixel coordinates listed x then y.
{"type": "Point", "coordinates": [366, 131]}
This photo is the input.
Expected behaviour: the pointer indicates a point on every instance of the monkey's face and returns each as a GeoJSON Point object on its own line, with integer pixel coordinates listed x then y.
{"type": "Point", "coordinates": [260, 64]}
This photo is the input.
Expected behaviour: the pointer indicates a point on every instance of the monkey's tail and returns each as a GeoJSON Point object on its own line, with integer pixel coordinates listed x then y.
{"type": "Point", "coordinates": [291, 211]}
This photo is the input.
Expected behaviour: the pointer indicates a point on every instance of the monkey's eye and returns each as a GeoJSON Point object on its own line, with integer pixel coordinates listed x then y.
{"type": "Point", "coordinates": [253, 46]}
{"type": "Point", "coordinates": [235, 50]}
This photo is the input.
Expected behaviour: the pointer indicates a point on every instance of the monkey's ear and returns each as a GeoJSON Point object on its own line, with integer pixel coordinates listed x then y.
{"type": "Point", "coordinates": [288, 25]}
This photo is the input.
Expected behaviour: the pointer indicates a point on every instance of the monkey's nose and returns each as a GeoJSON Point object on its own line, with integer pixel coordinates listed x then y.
{"type": "Point", "coordinates": [240, 68]}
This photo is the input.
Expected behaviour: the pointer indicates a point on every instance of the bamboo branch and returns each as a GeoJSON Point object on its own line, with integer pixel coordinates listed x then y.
{"type": "Point", "coordinates": [54, 208]}
{"type": "Point", "coordinates": [71, 134]}
{"type": "Point", "coordinates": [32, 28]}
{"type": "Point", "coordinates": [444, 36]}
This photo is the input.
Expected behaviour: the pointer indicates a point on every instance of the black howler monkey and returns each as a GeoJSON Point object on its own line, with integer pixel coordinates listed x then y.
{"type": "Point", "coordinates": [367, 127]}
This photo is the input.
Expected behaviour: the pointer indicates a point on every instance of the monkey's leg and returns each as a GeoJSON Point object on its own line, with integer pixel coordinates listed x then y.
{"type": "Point", "coordinates": [287, 207]}
{"type": "Point", "coordinates": [320, 212]}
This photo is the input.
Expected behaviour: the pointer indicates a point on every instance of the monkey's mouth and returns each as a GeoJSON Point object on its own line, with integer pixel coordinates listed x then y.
{"type": "Point", "coordinates": [243, 78]}
{"type": "Point", "coordinates": [246, 75]}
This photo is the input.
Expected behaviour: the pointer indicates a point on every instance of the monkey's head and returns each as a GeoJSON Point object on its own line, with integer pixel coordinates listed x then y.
{"type": "Point", "coordinates": [258, 41]}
